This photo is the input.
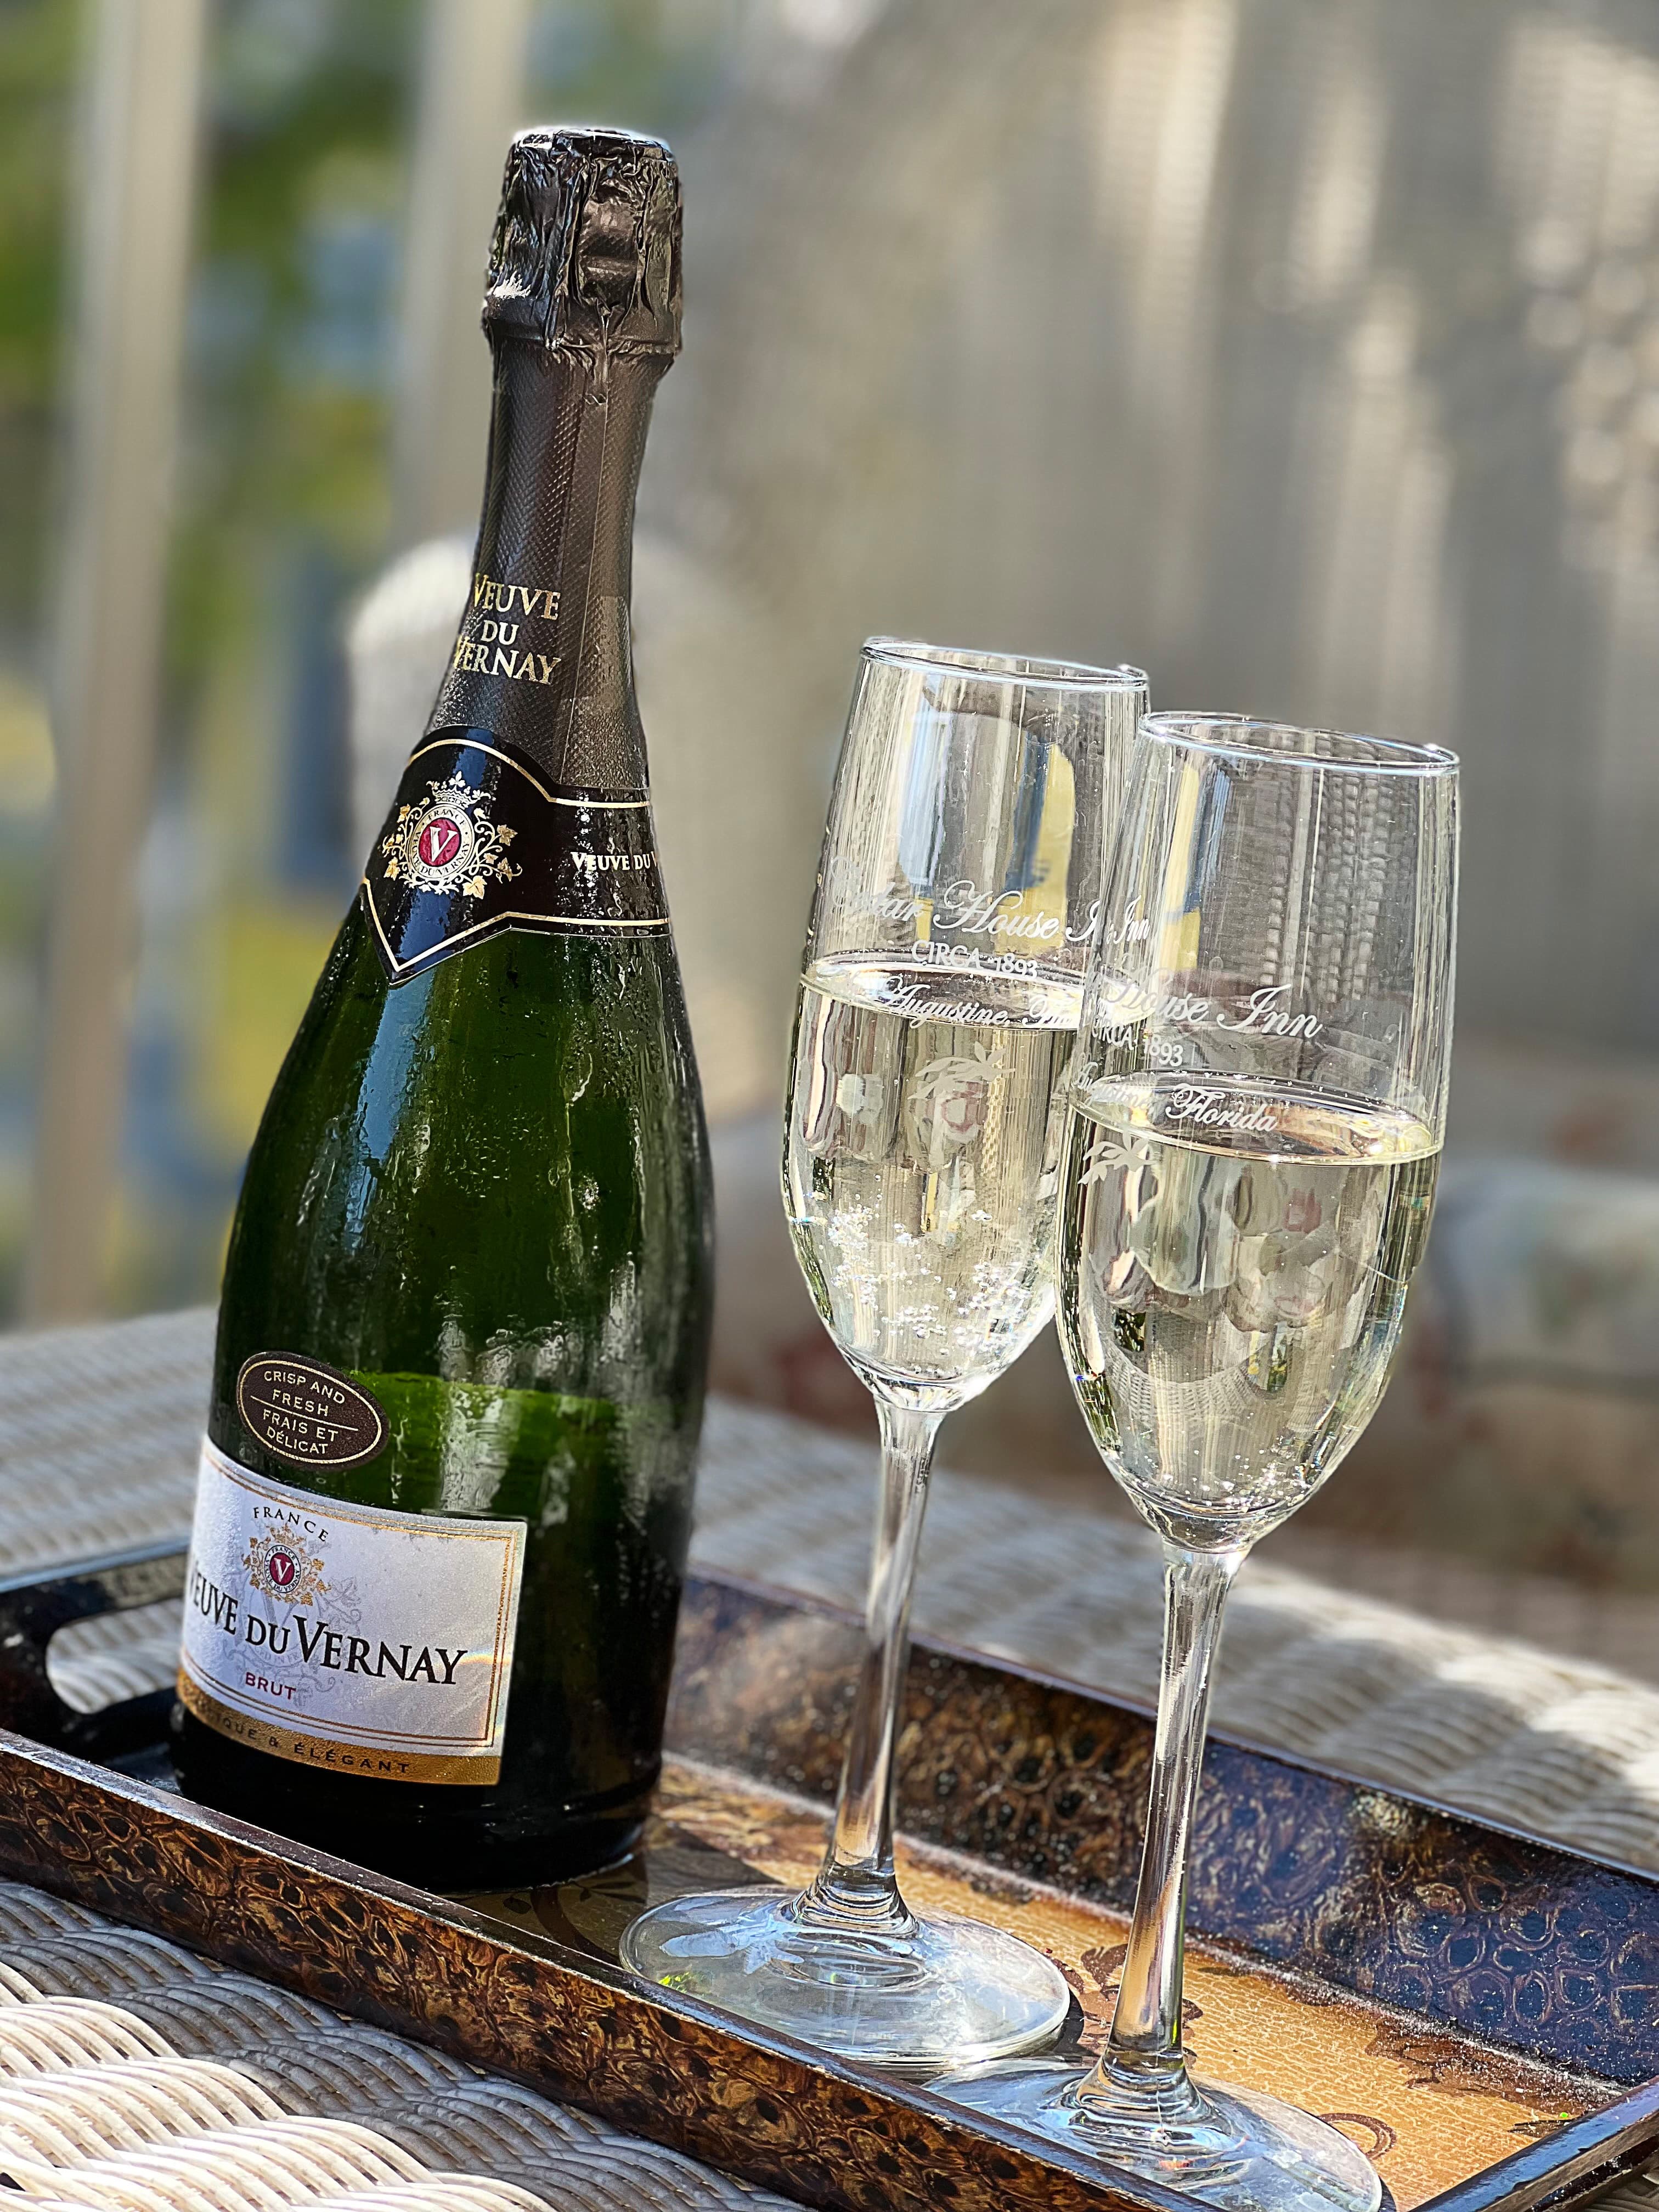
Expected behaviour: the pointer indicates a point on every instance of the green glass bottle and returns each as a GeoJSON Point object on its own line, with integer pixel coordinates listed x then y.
{"type": "Point", "coordinates": [446, 1489]}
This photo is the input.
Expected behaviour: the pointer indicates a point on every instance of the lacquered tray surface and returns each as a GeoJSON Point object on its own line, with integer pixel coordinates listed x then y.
{"type": "Point", "coordinates": [1495, 1935]}
{"type": "Point", "coordinates": [1470, 2006]}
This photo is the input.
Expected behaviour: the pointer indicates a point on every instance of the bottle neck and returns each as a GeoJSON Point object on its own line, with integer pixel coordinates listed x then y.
{"type": "Point", "coordinates": [543, 658]}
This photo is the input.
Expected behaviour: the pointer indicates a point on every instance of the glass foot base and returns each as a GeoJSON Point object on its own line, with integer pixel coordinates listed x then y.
{"type": "Point", "coordinates": [1234, 2148]}
{"type": "Point", "coordinates": [937, 1993]}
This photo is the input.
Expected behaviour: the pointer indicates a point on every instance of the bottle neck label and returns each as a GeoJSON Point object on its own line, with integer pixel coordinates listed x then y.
{"type": "Point", "coordinates": [544, 656]}
{"type": "Point", "coordinates": [479, 842]}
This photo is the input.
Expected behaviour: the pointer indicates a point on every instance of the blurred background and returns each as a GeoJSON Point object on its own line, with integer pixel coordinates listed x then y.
{"type": "Point", "coordinates": [1304, 351]}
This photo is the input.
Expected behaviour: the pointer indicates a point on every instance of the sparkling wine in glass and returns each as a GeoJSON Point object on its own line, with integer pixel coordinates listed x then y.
{"type": "Point", "coordinates": [939, 1002]}
{"type": "Point", "coordinates": [1249, 1169]}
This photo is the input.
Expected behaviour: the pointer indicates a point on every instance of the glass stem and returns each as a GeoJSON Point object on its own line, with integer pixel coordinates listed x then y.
{"type": "Point", "coordinates": [1145, 2046]}
{"type": "Point", "coordinates": [856, 1887]}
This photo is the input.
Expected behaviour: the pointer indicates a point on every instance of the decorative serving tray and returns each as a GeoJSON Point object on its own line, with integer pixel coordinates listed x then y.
{"type": "Point", "coordinates": [1478, 2011]}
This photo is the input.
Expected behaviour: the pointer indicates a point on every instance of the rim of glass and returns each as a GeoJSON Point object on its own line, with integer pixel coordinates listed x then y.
{"type": "Point", "coordinates": [1032, 671]}
{"type": "Point", "coordinates": [1247, 736]}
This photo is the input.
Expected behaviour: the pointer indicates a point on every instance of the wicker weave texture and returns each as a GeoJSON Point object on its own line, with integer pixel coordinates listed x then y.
{"type": "Point", "coordinates": [113, 1414]}
{"type": "Point", "coordinates": [1494, 1726]}
{"type": "Point", "coordinates": [134, 2077]}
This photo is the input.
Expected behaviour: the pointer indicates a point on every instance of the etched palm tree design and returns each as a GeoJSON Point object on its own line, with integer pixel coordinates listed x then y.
{"type": "Point", "coordinates": [945, 1105]}
{"type": "Point", "coordinates": [1112, 1154]}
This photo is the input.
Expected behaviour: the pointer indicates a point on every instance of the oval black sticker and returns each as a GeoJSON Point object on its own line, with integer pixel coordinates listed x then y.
{"type": "Point", "coordinates": [306, 1414]}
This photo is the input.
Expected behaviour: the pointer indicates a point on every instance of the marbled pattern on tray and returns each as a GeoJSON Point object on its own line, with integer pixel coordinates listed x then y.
{"type": "Point", "coordinates": [1430, 2108]}
{"type": "Point", "coordinates": [657, 2066]}
{"type": "Point", "coordinates": [1501, 1938]}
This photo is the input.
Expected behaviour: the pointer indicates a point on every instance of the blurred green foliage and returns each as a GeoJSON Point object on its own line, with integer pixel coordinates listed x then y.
{"type": "Point", "coordinates": [306, 124]}
{"type": "Point", "coordinates": [38, 50]}
{"type": "Point", "coordinates": [282, 508]}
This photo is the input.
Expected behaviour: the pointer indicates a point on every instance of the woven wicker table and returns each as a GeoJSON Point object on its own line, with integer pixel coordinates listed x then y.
{"type": "Point", "coordinates": [136, 2077]}
{"type": "Point", "coordinates": [98, 1432]}
{"type": "Point", "coordinates": [99, 1429]}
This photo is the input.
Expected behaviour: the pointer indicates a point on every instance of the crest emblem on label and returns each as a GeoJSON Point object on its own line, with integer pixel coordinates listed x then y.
{"type": "Point", "coordinates": [442, 876]}
{"type": "Point", "coordinates": [348, 1637]}
{"type": "Point", "coordinates": [449, 842]}
{"type": "Point", "coordinates": [278, 1568]}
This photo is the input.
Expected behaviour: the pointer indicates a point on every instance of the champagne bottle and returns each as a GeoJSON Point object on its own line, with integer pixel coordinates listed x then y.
{"type": "Point", "coordinates": [445, 1496]}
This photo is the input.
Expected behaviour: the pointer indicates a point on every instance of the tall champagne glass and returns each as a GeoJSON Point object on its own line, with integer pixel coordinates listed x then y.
{"type": "Point", "coordinates": [1249, 1169]}
{"type": "Point", "coordinates": [942, 986]}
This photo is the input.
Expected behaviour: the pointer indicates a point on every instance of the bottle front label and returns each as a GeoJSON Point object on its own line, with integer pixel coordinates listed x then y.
{"type": "Point", "coordinates": [477, 841]}
{"type": "Point", "coordinates": [348, 1637]}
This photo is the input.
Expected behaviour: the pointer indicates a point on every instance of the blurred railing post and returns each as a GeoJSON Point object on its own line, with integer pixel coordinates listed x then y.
{"type": "Point", "coordinates": [471, 85]}
{"type": "Point", "coordinates": [136, 162]}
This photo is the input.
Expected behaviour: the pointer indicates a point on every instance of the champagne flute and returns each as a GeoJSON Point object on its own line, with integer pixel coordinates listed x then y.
{"type": "Point", "coordinates": [1249, 1172]}
{"type": "Point", "coordinates": [941, 992]}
